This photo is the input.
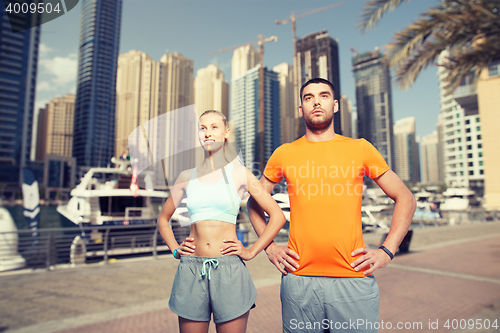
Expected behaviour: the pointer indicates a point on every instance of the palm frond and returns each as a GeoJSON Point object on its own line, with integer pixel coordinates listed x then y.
{"type": "Point", "coordinates": [468, 29]}
{"type": "Point", "coordinates": [373, 12]}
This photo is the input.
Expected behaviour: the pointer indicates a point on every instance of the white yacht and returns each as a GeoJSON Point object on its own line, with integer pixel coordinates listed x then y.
{"type": "Point", "coordinates": [426, 207]}
{"type": "Point", "coordinates": [105, 197]}
{"type": "Point", "coordinates": [456, 199]}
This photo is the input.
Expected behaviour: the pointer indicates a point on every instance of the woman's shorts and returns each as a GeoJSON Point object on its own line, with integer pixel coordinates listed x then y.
{"type": "Point", "coordinates": [218, 285]}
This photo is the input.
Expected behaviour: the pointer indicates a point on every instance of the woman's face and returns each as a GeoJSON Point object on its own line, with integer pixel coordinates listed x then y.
{"type": "Point", "coordinates": [212, 131]}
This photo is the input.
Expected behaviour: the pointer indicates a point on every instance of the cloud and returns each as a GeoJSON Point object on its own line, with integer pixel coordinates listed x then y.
{"type": "Point", "coordinates": [62, 69]}
{"type": "Point", "coordinates": [44, 86]}
{"type": "Point", "coordinates": [44, 49]}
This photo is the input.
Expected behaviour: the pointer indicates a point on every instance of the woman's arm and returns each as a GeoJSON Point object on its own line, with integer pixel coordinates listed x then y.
{"type": "Point", "coordinates": [176, 194]}
{"type": "Point", "coordinates": [276, 220]}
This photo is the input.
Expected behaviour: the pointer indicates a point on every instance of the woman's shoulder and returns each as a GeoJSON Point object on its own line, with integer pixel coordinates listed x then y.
{"type": "Point", "coordinates": [185, 176]}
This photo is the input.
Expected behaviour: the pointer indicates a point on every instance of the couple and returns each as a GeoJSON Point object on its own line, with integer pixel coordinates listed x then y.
{"type": "Point", "coordinates": [326, 266]}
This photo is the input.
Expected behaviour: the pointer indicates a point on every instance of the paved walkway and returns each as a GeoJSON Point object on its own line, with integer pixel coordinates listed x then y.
{"type": "Point", "coordinates": [452, 273]}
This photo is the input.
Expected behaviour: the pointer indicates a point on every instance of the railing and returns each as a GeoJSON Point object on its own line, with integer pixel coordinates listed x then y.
{"type": "Point", "coordinates": [76, 245]}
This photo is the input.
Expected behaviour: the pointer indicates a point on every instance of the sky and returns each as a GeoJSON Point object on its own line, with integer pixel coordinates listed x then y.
{"type": "Point", "coordinates": [196, 27]}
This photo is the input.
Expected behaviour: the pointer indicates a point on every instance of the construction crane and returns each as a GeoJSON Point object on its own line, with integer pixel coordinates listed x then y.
{"type": "Point", "coordinates": [292, 19]}
{"type": "Point", "coordinates": [262, 109]}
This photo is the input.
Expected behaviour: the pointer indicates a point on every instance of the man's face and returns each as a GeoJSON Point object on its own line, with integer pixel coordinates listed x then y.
{"type": "Point", "coordinates": [318, 106]}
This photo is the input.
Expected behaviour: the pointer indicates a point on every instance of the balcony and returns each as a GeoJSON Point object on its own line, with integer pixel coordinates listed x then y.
{"type": "Point", "coordinates": [466, 96]}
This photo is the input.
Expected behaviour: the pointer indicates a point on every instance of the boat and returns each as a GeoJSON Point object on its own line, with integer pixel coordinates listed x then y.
{"type": "Point", "coordinates": [9, 256]}
{"type": "Point", "coordinates": [283, 202]}
{"type": "Point", "coordinates": [458, 199]}
{"type": "Point", "coordinates": [427, 208]}
{"type": "Point", "coordinates": [377, 197]}
{"type": "Point", "coordinates": [111, 197]}
{"type": "Point", "coordinates": [369, 221]}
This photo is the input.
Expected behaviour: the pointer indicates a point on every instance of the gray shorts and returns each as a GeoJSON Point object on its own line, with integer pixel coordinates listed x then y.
{"type": "Point", "coordinates": [218, 285]}
{"type": "Point", "coordinates": [329, 304]}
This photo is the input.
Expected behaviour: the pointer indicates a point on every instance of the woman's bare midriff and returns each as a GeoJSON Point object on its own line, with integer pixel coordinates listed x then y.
{"type": "Point", "coordinates": [209, 235]}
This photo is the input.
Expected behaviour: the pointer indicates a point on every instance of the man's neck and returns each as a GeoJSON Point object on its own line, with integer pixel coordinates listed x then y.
{"type": "Point", "coordinates": [320, 136]}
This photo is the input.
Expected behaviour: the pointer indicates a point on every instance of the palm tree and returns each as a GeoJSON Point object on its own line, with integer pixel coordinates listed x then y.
{"type": "Point", "coordinates": [468, 29]}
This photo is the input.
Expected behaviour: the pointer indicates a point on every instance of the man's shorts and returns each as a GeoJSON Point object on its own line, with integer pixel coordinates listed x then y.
{"type": "Point", "coordinates": [329, 304]}
{"type": "Point", "coordinates": [218, 285]}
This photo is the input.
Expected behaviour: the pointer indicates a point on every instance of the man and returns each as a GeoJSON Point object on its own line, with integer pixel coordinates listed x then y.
{"type": "Point", "coordinates": [330, 285]}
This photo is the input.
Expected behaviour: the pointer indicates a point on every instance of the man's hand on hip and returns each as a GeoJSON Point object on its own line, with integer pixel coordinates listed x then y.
{"type": "Point", "coordinates": [376, 258]}
{"type": "Point", "coordinates": [282, 255]}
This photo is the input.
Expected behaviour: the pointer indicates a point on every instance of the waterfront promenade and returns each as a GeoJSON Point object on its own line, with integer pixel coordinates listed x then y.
{"type": "Point", "coordinates": [451, 273]}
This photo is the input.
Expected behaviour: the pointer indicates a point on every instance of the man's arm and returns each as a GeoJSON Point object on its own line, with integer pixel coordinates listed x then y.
{"type": "Point", "coordinates": [276, 254]}
{"type": "Point", "coordinates": [404, 209]}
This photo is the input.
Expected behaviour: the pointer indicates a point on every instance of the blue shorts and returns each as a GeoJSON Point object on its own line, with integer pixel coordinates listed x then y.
{"type": "Point", "coordinates": [329, 304]}
{"type": "Point", "coordinates": [206, 285]}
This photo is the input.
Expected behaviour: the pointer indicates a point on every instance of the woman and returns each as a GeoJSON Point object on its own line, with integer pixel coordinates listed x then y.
{"type": "Point", "coordinates": [211, 277]}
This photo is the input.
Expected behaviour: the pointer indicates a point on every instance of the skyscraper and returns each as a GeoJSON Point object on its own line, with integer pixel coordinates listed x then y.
{"type": "Point", "coordinates": [374, 102]}
{"type": "Point", "coordinates": [18, 68]}
{"type": "Point", "coordinates": [55, 128]}
{"type": "Point", "coordinates": [289, 112]}
{"type": "Point", "coordinates": [318, 56]}
{"type": "Point", "coordinates": [430, 159]}
{"type": "Point", "coordinates": [345, 108]}
{"type": "Point", "coordinates": [244, 115]}
{"type": "Point", "coordinates": [137, 94]}
{"type": "Point", "coordinates": [488, 88]}
{"type": "Point", "coordinates": [244, 58]}
{"type": "Point", "coordinates": [406, 150]}
{"type": "Point", "coordinates": [176, 82]}
{"type": "Point", "coordinates": [94, 128]}
{"type": "Point", "coordinates": [462, 134]}
{"type": "Point", "coordinates": [176, 92]}
{"type": "Point", "coordinates": [211, 91]}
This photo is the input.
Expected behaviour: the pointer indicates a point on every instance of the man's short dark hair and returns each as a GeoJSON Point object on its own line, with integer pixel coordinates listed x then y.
{"type": "Point", "coordinates": [316, 80]}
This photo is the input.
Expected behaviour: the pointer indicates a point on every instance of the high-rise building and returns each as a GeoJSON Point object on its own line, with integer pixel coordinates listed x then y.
{"type": "Point", "coordinates": [94, 126]}
{"type": "Point", "coordinates": [289, 112]}
{"type": "Point", "coordinates": [244, 58]}
{"type": "Point", "coordinates": [176, 82]}
{"type": "Point", "coordinates": [461, 134]}
{"type": "Point", "coordinates": [245, 117]}
{"type": "Point", "coordinates": [176, 92]}
{"type": "Point", "coordinates": [354, 125]}
{"type": "Point", "coordinates": [55, 128]}
{"type": "Point", "coordinates": [406, 150]}
{"type": "Point", "coordinates": [430, 159]}
{"type": "Point", "coordinates": [440, 133]}
{"type": "Point", "coordinates": [488, 88]}
{"type": "Point", "coordinates": [345, 108]}
{"type": "Point", "coordinates": [374, 102]}
{"type": "Point", "coordinates": [137, 95]}
{"type": "Point", "coordinates": [211, 91]}
{"type": "Point", "coordinates": [318, 56]}
{"type": "Point", "coordinates": [18, 67]}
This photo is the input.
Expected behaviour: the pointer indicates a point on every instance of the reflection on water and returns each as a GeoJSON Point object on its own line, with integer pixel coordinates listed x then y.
{"type": "Point", "coordinates": [49, 218]}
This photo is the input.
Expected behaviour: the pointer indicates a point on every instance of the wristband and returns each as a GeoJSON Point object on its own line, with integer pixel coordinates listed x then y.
{"type": "Point", "coordinates": [175, 253]}
{"type": "Point", "coordinates": [386, 250]}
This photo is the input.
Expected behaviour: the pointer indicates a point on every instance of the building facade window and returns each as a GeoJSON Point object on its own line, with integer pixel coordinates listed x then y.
{"type": "Point", "coordinates": [494, 68]}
